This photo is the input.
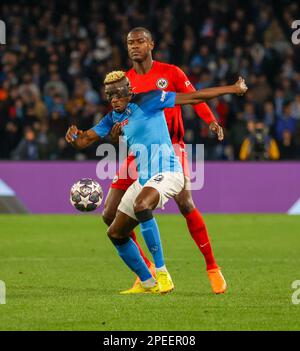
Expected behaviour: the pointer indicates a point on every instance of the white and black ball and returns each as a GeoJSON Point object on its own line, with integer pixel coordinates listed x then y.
{"type": "Point", "coordinates": [86, 195]}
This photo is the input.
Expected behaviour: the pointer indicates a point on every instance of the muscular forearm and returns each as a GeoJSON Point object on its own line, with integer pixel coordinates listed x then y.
{"type": "Point", "coordinates": [204, 112]}
{"type": "Point", "coordinates": [203, 95]}
{"type": "Point", "coordinates": [80, 142]}
{"type": "Point", "coordinates": [211, 93]}
{"type": "Point", "coordinates": [81, 139]}
{"type": "Point", "coordinates": [196, 97]}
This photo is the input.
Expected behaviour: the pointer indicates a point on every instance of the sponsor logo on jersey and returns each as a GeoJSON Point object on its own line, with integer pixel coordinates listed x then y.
{"type": "Point", "coordinates": [116, 178]}
{"type": "Point", "coordinates": [123, 123]}
{"type": "Point", "coordinates": [162, 83]}
{"type": "Point", "coordinates": [163, 96]}
{"type": "Point", "coordinates": [158, 178]}
{"type": "Point", "coordinates": [128, 111]}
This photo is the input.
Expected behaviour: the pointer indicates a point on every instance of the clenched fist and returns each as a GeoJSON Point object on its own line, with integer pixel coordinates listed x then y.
{"type": "Point", "coordinates": [72, 134]}
{"type": "Point", "coordinates": [241, 86]}
{"type": "Point", "coordinates": [216, 128]}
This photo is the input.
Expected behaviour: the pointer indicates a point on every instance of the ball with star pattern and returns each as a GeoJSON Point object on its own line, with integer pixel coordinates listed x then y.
{"type": "Point", "coordinates": [86, 195]}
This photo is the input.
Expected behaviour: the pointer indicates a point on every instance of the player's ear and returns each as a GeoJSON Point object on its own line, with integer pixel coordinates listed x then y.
{"type": "Point", "coordinates": [151, 44]}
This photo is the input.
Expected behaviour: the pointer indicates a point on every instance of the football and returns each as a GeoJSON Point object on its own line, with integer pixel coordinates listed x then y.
{"type": "Point", "coordinates": [86, 195]}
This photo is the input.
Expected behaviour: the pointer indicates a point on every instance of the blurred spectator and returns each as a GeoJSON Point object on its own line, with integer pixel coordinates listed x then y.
{"type": "Point", "coordinates": [286, 131]}
{"type": "Point", "coordinates": [64, 151]}
{"type": "Point", "coordinates": [27, 148]}
{"type": "Point", "coordinates": [10, 139]}
{"type": "Point", "coordinates": [295, 108]}
{"type": "Point", "coordinates": [56, 87]}
{"type": "Point", "coordinates": [28, 87]}
{"type": "Point", "coordinates": [237, 134]}
{"type": "Point", "coordinates": [262, 90]}
{"type": "Point", "coordinates": [259, 145]}
{"type": "Point", "coordinates": [249, 113]}
{"type": "Point", "coordinates": [269, 116]}
{"type": "Point", "coordinates": [53, 65]}
{"type": "Point", "coordinates": [286, 123]}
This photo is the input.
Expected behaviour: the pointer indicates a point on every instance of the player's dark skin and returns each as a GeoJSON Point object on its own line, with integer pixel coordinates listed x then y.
{"type": "Point", "coordinates": [140, 46]}
{"type": "Point", "coordinates": [121, 224]}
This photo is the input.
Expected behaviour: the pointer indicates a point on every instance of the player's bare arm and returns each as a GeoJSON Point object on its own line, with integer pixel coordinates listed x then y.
{"type": "Point", "coordinates": [239, 88]}
{"type": "Point", "coordinates": [217, 129]}
{"type": "Point", "coordinates": [80, 139]}
{"type": "Point", "coordinates": [115, 132]}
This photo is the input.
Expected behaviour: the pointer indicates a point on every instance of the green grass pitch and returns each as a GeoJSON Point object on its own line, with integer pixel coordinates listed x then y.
{"type": "Point", "coordinates": [62, 273]}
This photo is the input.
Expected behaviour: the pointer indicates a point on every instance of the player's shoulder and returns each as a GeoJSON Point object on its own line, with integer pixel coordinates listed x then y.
{"type": "Point", "coordinates": [108, 114]}
{"type": "Point", "coordinates": [163, 66]}
{"type": "Point", "coordinates": [143, 98]}
{"type": "Point", "coordinates": [105, 118]}
{"type": "Point", "coordinates": [130, 72]}
{"type": "Point", "coordinates": [159, 67]}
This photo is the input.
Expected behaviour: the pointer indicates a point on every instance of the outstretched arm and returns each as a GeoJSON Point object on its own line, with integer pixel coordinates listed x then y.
{"type": "Point", "coordinates": [183, 85]}
{"type": "Point", "coordinates": [81, 139]}
{"type": "Point", "coordinates": [238, 88]}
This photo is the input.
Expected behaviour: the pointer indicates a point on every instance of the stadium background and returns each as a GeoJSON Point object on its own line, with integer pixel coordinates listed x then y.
{"type": "Point", "coordinates": [61, 271]}
{"type": "Point", "coordinates": [58, 52]}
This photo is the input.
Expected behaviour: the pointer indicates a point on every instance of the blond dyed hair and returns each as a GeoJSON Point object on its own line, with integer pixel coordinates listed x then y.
{"type": "Point", "coordinates": [114, 76]}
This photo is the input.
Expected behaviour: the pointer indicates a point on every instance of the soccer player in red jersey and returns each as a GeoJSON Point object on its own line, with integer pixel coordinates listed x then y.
{"type": "Point", "coordinates": [146, 75]}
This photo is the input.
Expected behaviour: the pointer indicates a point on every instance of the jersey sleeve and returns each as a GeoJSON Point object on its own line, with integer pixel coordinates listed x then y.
{"type": "Point", "coordinates": [183, 85]}
{"type": "Point", "coordinates": [104, 126]}
{"type": "Point", "coordinates": [181, 81]}
{"type": "Point", "coordinates": [158, 100]}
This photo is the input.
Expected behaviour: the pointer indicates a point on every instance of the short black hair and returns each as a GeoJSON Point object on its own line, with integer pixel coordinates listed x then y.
{"type": "Point", "coordinates": [142, 29]}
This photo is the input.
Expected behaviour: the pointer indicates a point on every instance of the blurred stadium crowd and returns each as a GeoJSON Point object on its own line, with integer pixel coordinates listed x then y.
{"type": "Point", "coordinates": [58, 52]}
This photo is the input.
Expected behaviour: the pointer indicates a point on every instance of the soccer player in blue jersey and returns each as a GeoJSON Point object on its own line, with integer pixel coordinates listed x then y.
{"type": "Point", "coordinates": [160, 175]}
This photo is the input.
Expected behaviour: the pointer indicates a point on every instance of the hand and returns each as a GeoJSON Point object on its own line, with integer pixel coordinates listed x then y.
{"type": "Point", "coordinates": [241, 86]}
{"type": "Point", "coordinates": [71, 134]}
{"type": "Point", "coordinates": [216, 128]}
{"type": "Point", "coordinates": [115, 132]}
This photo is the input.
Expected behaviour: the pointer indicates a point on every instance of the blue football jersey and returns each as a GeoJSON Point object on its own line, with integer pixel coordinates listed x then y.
{"type": "Point", "coordinates": [145, 129]}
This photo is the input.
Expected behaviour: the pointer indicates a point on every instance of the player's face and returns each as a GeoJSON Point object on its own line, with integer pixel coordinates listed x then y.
{"type": "Point", "coordinates": [118, 94]}
{"type": "Point", "coordinates": [139, 46]}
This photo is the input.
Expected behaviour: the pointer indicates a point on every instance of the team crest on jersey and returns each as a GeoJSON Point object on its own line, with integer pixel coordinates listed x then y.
{"type": "Point", "coordinates": [116, 178]}
{"type": "Point", "coordinates": [162, 83]}
{"type": "Point", "coordinates": [158, 178]}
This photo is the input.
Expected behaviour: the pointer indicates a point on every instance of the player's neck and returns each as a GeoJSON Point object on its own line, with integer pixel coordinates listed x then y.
{"type": "Point", "coordinates": [143, 67]}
